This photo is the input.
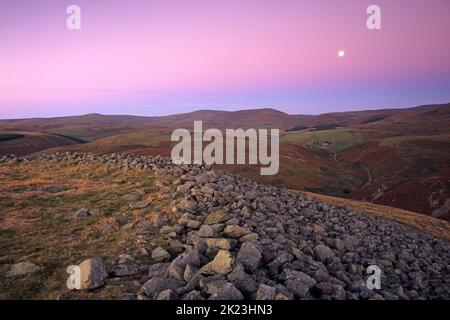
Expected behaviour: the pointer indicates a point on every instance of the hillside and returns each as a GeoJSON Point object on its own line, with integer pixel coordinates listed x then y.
{"type": "Point", "coordinates": [142, 228]}
{"type": "Point", "coordinates": [26, 142]}
{"type": "Point", "coordinates": [394, 157]}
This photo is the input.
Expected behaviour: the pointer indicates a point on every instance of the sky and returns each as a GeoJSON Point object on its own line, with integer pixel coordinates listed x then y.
{"type": "Point", "coordinates": [152, 57]}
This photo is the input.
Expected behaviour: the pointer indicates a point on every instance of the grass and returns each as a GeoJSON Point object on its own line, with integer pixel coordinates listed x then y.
{"type": "Point", "coordinates": [297, 128]}
{"type": "Point", "coordinates": [38, 226]}
{"type": "Point", "coordinates": [329, 126]}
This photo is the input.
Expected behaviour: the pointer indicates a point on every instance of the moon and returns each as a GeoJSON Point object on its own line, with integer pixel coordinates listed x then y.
{"type": "Point", "coordinates": [341, 53]}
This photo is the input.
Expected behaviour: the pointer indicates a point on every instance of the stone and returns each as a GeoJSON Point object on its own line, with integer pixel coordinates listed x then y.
{"type": "Point", "coordinates": [251, 195]}
{"type": "Point", "coordinates": [189, 273]}
{"type": "Point", "coordinates": [338, 244]}
{"type": "Point", "coordinates": [127, 226]}
{"type": "Point", "coordinates": [159, 254]}
{"type": "Point", "coordinates": [130, 197]}
{"type": "Point", "coordinates": [335, 291]}
{"type": "Point", "coordinates": [265, 292]}
{"type": "Point", "coordinates": [22, 268]}
{"type": "Point", "coordinates": [193, 224]}
{"type": "Point", "coordinates": [249, 256]}
{"type": "Point", "coordinates": [177, 267]}
{"type": "Point", "coordinates": [158, 221]}
{"type": "Point", "coordinates": [167, 294]}
{"type": "Point", "coordinates": [242, 280]}
{"type": "Point", "coordinates": [299, 283]}
{"type": "Point", "coordinates": [82, 213]}
{"type": "Point", "coordinates": [185, 218]}
{"type": "Point", "coordinates": [317, 228]}
{"type": "Point", "coordinates": [235, 231]}
{"type": "Point", "coordinates": [222, 263]}
{"type": "Point", "coordinates": [183, 189]}
{"type": "Point", "coordinates": [215, 217]}
{"type": "Point", "coordinates": [158, 270]}
{"type": "Point", "coordinates": [227, 292]}
{"type": "Point", "coordinates": [122, 270]}
{"type": "Point", "coordinates": [219, 243]}
{"type": "Point", "coordinates": [207, 189]}
{"type": "Point", "coordinates": [281, 296]}
{"type": "Point", "coordinates": [158, 284]}
{"type": "Point", "coordinates": [93, 273]}
{"type": "Point", "coordinates": [249, 237]}
{"type": "Point", "coordinates": [323, 253]}
{"type": "Point", "coordinates": [205, 231]}
{"type": "Point", "coordinates": [140, 204]}
{"type": "Point", "coordinates": [187, 205]}
{"type": "Point", "coordinates": [193, 295]}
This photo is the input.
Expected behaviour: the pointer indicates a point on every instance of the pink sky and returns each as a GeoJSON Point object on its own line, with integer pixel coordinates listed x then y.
{"type": "Point", "coordinates": [159, 57]}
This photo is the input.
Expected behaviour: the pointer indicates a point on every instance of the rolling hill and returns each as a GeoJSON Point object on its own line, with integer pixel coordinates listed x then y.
{"type": "Point", "coordinates": [394, 157]}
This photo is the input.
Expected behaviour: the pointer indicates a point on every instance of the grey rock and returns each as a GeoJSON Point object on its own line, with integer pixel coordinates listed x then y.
{"type": "Point", "coordinates": [242, 280]}
{"type": "Point", "coordinates": [140, 204]}
{"type": "Point", "coordinates": [93, 273]}
{"type": "Point", "coordinates": [323, 253]}
{"type": "Point", "coordinates": [299, 283]}
{"type": "Point", "coordinates": [82, 213]}
{"type": "Point", "coordinates": [265, 292]}
{"type": "Point", "coordinates": [168, 294]}
{"type": "Point", "coordinates": [249, 256]}
{"type": "Point", "coordinates": [159, 254]}
{"type": "Point", "coordinates": [22, 268]}
{"type": "Point", "coordinates": [158, 284]}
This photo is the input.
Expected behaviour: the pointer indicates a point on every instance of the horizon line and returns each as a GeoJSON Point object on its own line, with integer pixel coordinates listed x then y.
{"type": "Point", "coordinates": [227, 111]}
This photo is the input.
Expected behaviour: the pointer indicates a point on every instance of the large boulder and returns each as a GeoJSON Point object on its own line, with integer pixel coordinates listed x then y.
{"type": "Point", "coordinates": [93, 273]}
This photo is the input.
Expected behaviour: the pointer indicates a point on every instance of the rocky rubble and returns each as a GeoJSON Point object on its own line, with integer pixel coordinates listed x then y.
{"type": "Point", "coordinates": [241, 240]}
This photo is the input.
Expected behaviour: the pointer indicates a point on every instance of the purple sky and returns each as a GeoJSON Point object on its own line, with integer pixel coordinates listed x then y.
{"type": "Point", "coordinates": [169, 56]}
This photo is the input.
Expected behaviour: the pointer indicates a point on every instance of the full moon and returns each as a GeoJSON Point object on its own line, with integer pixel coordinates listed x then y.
{"type": "Point", "coordinates": [341, 53]}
